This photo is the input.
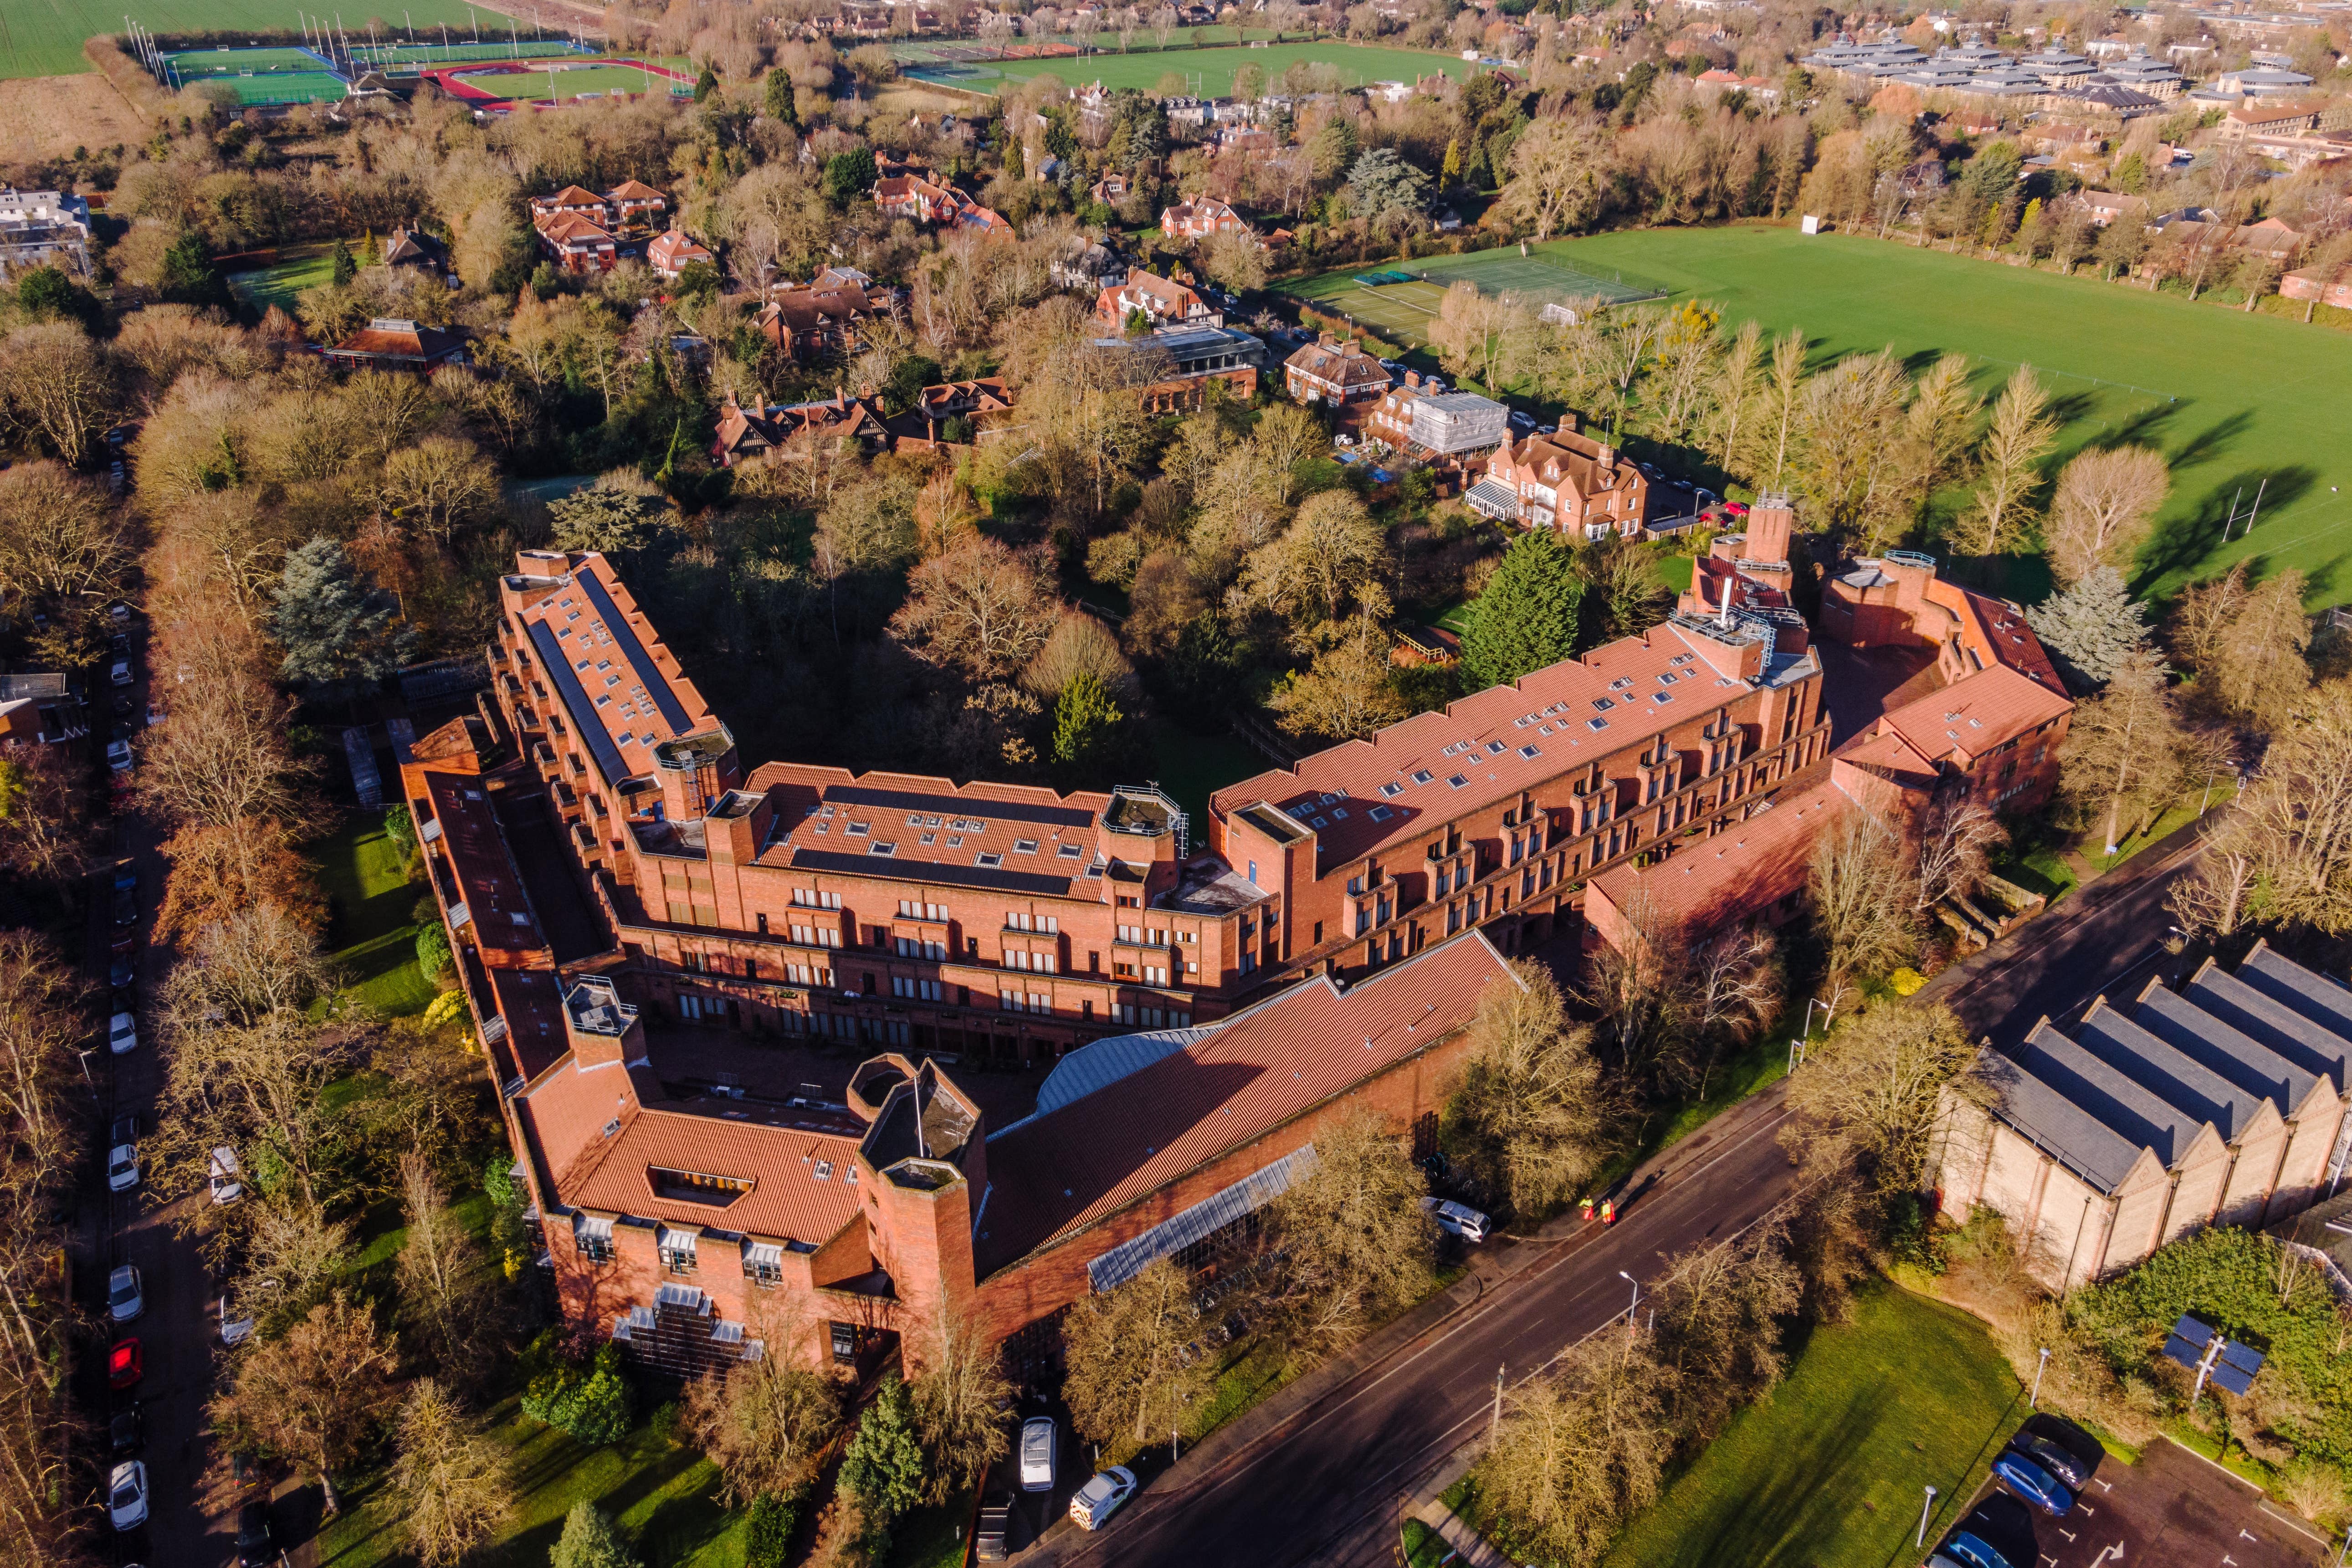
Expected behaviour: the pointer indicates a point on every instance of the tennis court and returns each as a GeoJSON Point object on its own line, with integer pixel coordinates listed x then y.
{"type": "Point", "coordinates": [1402, 309]}
{"type": "Point", "coordinates": [394, 56]}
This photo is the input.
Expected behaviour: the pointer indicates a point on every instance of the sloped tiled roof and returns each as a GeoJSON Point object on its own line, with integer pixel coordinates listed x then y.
{"type": "Point", "coordinates": [1746, 867]}
{"type": "Point", "coordinates": [1977, 714]}
{"type": "Point", "coordinates": [788, 1199]}
{"type": "Point", "coordinates": [1054, 1175]}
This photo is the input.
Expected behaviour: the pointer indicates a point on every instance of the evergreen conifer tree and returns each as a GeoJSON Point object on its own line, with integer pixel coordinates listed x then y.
{"type": "Point", "coordinates": [2090, 629]}
{"type": "Point", "coordinates": [1527, 619]}
{"type": "Point", "coordinates": [341, 632]}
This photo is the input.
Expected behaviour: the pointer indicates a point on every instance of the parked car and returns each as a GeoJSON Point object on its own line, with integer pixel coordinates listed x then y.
{"type": "Point", "coordinates": [126, 1495]}
{"type": "Point", "coordinates": [256, 1545]}
{"type": "Point", "coordinates": [236, 1326]}
{"type": "Point", "coordinates": [1547, 429]}
{"type": "Point", "coordinates": [2032, 1482]}
{"type": "Point", "coordinates": [154, 712]}
{"type": "Point", "coordinates": [1099, 1498]}
{"type": "Point", "coordinates": [2070, 1470]}
{"type": "Point", "coordinates": [122, 1167]}
{"type": "Point", "coordinates": [1522, 420]}
{"type": "Point", "coordinates": [123, 968]}
{"type": "Point", "coordinates": [1456, 1219]}
{"type": "Point", "coordinates": [1997, 1533]}
{"type": "Point", "coordinates": [125, 1128]}
{"type": "Point", "coordinates": [125, 1297]}
{"type": "Point", "coordinates": [1037, 1454]}
{"type": "Point", "coordinates": [124, 705]}
{"type": "Point", "coordinates": [121, 674]}
{"type": "Point", "coordinates": [122, 1034]}
{"type": "Point", "coordinates": [1962, 1550]}
{"type": "Point", "coordinates": [1735, 508]}
{"type": "Point", "coordinates": [125, 1432]}
{"type": "Point", "coordinates": [118, 755]}
{"type": "Point", "coordinates": [125, 1365]}
{"type": "Point", "coordinates": [225, 1177]}
{"type": "Point", "coordinates": [119, 612]}
{"type": "Point", "coordinates": [126, 905]}
{"type": "Point", "coordinates": [994, 1541]}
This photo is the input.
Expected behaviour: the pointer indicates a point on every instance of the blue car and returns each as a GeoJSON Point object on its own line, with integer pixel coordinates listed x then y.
{"type": "Point", "coordinates": [1968, 1550]}
{"type": "Point", "coordinates": [2034, 1484]}
{"type": "Point", "coordinates": [2068, 1467]}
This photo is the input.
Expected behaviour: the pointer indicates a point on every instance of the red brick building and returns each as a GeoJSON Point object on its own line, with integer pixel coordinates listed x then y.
{"type": "Point", "coordinates": [1329, 371]}
{"type": "Point", "coordinates": [1566, 481]}
{"type": "Point", "coordinates": [1163, 301]}
{"type": "Point", "coordinates": [696, 1199]}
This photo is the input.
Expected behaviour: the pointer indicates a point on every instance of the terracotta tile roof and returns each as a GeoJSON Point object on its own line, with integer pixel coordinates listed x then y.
{"type": "Point", "coordinates": [825, 813]}
{"type": "Point", "coordinates": [1053, 1175]}
{"type": "Point", "coordinates": [788, 1199]}
{"type": "Point", "coordinates": [633, 191]}
{"type": "Point", "coordinates": [1746, 867]}
{"type": "Point", "coordinates": [1995, 631]}
{"type": "Point", "coordinates": [571, 197]}
{"type": "Point", "coordinates": [402, 339]}
{"type": "Point", "coordinates": [573, 228]}
{"type": "Point", "coordinates": [492, 892]}
{"type": "Point", "coordinates": [1339, 365]}
{"type": "Point", "coordinates": [1976, 713]}
{"type": "Point", "coordinates": [1389, 783]}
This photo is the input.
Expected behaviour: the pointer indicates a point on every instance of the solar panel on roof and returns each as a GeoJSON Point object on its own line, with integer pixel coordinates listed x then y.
{"type": "Point", "coordinates": [607, 756]}
{"type": "Point", "coordinates": [672, 710]}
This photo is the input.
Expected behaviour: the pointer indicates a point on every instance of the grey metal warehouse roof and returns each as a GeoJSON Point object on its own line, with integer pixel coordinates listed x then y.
{"type": "Point", "coordinates": [2150, 1079]}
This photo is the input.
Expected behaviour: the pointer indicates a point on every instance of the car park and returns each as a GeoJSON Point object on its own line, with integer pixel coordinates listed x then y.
{"type": "Point", "coordinates": [125, 1297]}
{"type": "Point", "coordinates": [122, 1167]}
{"type": "Point", "coordinates": [992, 1542]}
{"type": "Point", "coordinates": [257, 1544]}
{"type": "Point", "coordinates": [224, 1177]}
{"type": "Point", "coordinates": [2068, 1467]}
{"type": "Point", "coordinates": [121, 674]}
{"type": "Point", "coordinates": [2029, 1481]}
{"type": "Point", "coordinates": [122, 1034]}
{"type": "Point", "coordinates": [1097, 1501]}
{"type": "Point", "coordinates": [125, 1431]}
{"type": "Point", "coordinates": [125, 1365]}
{"type": "Point", "coordinates": [1456, 1219]}
{"type": "Point", "coordinates": [1037, 1454]}
{"type": "Point", "coordinates": [126, 1495]}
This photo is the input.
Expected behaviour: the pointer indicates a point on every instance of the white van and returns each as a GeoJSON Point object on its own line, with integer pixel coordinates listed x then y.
{"type": "Point", "coordinates": [227, 1180]}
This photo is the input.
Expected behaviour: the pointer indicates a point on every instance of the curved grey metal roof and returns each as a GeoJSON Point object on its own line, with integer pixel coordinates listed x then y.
{"type": "Point", "coordinates": [1089, 1068]}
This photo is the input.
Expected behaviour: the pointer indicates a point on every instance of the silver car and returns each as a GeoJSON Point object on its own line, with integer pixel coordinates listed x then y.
{"type": "Point", "coordinates": [1037, 1454]}
{"type": "Point", "coordinates": [125, 1297]}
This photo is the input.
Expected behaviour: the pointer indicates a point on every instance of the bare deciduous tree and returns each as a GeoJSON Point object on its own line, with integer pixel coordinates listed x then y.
{"type": "Point", "coordinates": [1583, 1448]}
{"type": "Point", "coordinates": [2124, 751]}
{"type": "Point", "coordinates": [1859, 879]}
{"type": "Point", "coordinates": [1955, 837]}
{"type": "Point", "coordinates": [1873, 1093]}
{"type": "Point", "coordinates": [766, 1425]}
{"type": "Point", "coordinates": [2295, 821]}
{"type": "Point", "coordinates": [979, 608]}
{"type": "Point", "coordinates": [442, 1276]}
{"type": "Point", "coordinates": [1129, 1377]}
{"type": "Point", "coordinates": [1527, 1120]}
{"type": "Point", "coordinates": [1719, 1319]}
{"type": "Point", "coordinates": [453, 1482]}
{"type": "Point", "coordinates": [314, 1395]}
{"type": "Point", "coordinates": [2009, 469]}
{"type": "Point", "coordinates": [1354, 1243]}
{"type": "Point", "coordinates": [2106, 499]}
{"type": "Point", "coordinates": [962, 1403]}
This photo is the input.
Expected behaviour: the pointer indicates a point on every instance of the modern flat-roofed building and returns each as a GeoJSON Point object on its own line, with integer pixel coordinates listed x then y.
{"type": "Point", "coordinates": [1192, 357]}
{"type": "Point", "coordinates": [2219, 1103]}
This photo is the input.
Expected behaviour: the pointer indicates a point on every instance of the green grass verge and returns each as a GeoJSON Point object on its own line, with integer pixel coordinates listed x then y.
{"type": "Point", "coordinates": [2230, 399]}
{"type": "Point", "coordinates": [1828, 1472]}
{"type": "Point", "coordinates": [1357, 64]}
{"type": "Point", "coordinates": [46, 38]}
{"type": "Point", "coordinates": [932, 1537]}
{"type": "Point", "coordinates": [661, 1492]}
{"type": "Point", "coordinates": [2171, 822]}
{"type": "Point", "coordinates": [1423, 1547]}
{"type": "Point", "coordinates": [372, 934]}
{"type": "Point", "coordinates": [2038, 868]}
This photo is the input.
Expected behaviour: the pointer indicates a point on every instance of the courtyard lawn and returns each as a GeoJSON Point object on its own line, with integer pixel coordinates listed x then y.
{"type": "Point", "coordinates": [2234, 401]}
{"type": "Point", "coordinates": [1827, 1471]}
{"type": "Point", "coordinates": [46, 38]}
{"type": "Point", "coordinates": [372, 931]}
{"type": "Point", "coordinates": [1192, 767]}
{"type": "Point", "coordinates": [1357, 64]}
{"type": "Point", "coordinates": [659, 1490]}
{"type": "Point", "coordinates": [297, 267]}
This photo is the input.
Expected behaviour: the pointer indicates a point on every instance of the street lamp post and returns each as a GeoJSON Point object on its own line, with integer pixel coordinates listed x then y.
{"type": "Point", "coordinates": [2034, 1401]}
{"type": "Point", "coordinates": [1495, 1424]}
{"type": "Point", "coordinates": [1924, 1507]}
{"type": "Point", "coordinates": [1637, 1297]}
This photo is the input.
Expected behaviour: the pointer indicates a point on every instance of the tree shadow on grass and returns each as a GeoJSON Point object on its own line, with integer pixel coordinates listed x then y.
{"type": "Point", "coordinates": [2211, 442]}
{"type": "Point", "coordinates": [1792, 1499]}
{"type": "Point", "coordinates": [2181, 542]}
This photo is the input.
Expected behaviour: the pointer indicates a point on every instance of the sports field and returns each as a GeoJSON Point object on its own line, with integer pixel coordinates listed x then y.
{"type": "Point", "coordinates": [567, 81]}
{"type": "Point", "coordinates": [1398, 300]}
{"type": "Point", "coordinates": [1212, 69]}
{"type": "Point", "coordinates": [397, 56]}
{"type": "Point", "coordinates": [44, 38]}
{"type": "Point", "coordinates": [2239, 402]}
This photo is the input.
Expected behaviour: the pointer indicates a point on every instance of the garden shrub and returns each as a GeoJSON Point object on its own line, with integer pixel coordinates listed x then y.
{"type": "Point", "coordinates": [590, 1403]}
{"type": "Point", "coordinates": [433, 951]}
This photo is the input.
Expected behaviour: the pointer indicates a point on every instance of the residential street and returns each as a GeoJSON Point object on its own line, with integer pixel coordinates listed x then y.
{"type": "Point", "coordinates": [1317, 1473]}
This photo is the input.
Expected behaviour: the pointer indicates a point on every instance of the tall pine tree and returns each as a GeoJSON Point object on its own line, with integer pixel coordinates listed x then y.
{"type": "Point", "coordinates": [884, 1465]}
{"type": "Point", "coordinates": [1527, 617]}
{"type": "Point", "coordinates": [341, 632]}
{"type": "Point", "coordinates": [2090, 629]}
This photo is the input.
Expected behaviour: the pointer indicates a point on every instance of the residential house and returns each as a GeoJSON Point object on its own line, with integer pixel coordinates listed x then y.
{"type": "Point", "coordinates": [44, 228]}
{"type": "Point", "coordinates": [2271, 237]}
{"type": "Point", "coordinates": [1339, 373]}
{"type": "Point", "coordinates": [823, 319]}
{"type": "Point", "coordinates": [634, 207]}
{"type": "Point", "coordinates": [573, 201]}
{"type": "Point", "coordinates": [1163, 301]}
{"type": "Point", "coordinates": [2331, 286]}
{"type": "Point", "coordinates": [674, 251]}
{"type": "Point", "coordinates": [916, 198]}
{"type": "Point", "coordinates": [1085, 267]}
{"type": "Point", "coordinates": [756, 432]}
{"type": "Point", "coordinates": [1108, 191]}
{"type": "Point", "coordinates": [982, 404]}
{"type": "Point", "coordinates": [1566, 481]}
{"type": "Point", "coordinates": [1200, 217]}
{"type": "Point", "coordinates": [418, 250]}
{"type": "Point", "coordinates": [2106, 206]}
{"type": "Point", "coordinates": [393, 343]}
{"type": "Point", "coordinates": [1422, 419]}
{"type": "Point", "coordinates": [40, 708]}
{"type": "Point", "coordinates": [576, 243]}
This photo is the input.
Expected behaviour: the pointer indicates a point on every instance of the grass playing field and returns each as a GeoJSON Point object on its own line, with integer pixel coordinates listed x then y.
{"type": "Point", "coordinates": [1212, 67]}
{"type": "Point", "coordinates": [2238, 402]}
{"type": "Point", "coordinates": [44, 38]}
{"type": "Point", "coordinates": [570, 81]}
{"type": "Point", "coordinates": [1828, 1471]}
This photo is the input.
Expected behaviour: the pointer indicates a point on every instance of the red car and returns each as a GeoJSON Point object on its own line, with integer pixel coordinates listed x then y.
{"type": "Point", "coordinates": [124, 1366]}
{"type": "Point", "coordinates": [1735, 508]}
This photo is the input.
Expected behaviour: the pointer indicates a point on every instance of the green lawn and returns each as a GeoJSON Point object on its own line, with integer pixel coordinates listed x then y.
{"type": "Point", "coordinates": [1828, 1472]}
{"type": "Point", "coordinates": [372, 933]}
{"type": "Point", "coordinates": [2232, 399]}
{"type": "Point", "coordinates": [44, 38]}
{"type": "Point", "coordinates": [298, 267]}
{"type": "Point", "coordinates": [2179, 816]}
{"type": "Point", "coordinates": [1357, 63]}
{"type": "Point", "coordinates": [572, 81]}
{"type": "Point", "coordinates": [661, 1492]}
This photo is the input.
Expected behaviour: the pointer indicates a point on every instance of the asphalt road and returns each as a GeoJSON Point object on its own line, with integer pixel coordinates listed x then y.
{"type": "Point", "coordinates": [1324, 1485]}
{"type": "Point", "coordinates": [1321, 1488]}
